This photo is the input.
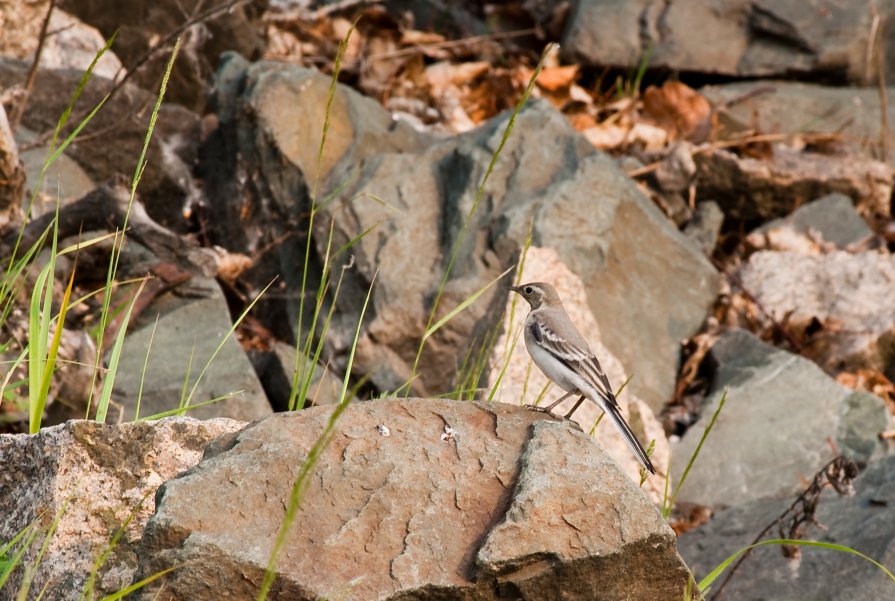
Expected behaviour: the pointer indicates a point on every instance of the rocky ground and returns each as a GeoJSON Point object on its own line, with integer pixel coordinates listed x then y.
{"type": "Point", "coordinates": [710, 190]}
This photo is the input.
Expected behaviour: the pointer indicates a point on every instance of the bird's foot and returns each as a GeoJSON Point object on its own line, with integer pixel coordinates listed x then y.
{"type": "Point", "coordinates": [540, 410]}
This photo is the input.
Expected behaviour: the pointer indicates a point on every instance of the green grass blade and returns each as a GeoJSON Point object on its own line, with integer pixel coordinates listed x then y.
{"type": "Point", "coordinates": [666, 509]}
{"type": "Point", "coordinates": [334, 80]}
{"type": "Point", "coordinates": [26, 537]}
{"type": "Point", "coordinates": [184, 410]}
{"type": "Point", "coordinates": [706, 582]}
{"type": "Point", "coordinates": [145, 367]}
{"type": "Point", "coordinates": [224, 341]}
{"type": "Point", "coordinates": [102, 407]}
{"type": "Point", "coordinates": [503, 370]}
{"type": "Point", "coordinates": [116, 246]}
{"type": "Point", "coordinates": [462, 306]}
{"type": "Point", "coordinates": [138, 585]}
{"type": "Point", "coordinates": [38, 334]}
{"type": "Point", "coordinates": [53, 351]}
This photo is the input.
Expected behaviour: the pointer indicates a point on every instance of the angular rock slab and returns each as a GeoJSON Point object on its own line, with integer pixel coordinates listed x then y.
{"type": "Point", "coordinates": [763, 188]}
{"type": "Point", "coordinates": [572, 513]}
{"type": "Point", "coordinates": [831, 219]}
{"type": "Point", "coordinates": [184, 340]}
{"type": "Point", "coordinates": [745, 38]}
{"type": "Point", "coordinates": [791, 107]}
{"type": "Point", "coordinates": [414, 499]}
{"type": "Point", "coordinates": [775, 428]}
{"type": "Point", "coordinates": [647, 285]}
{"type": "Point", "coordinates": [865, 522]}
{"type": "Point", "coordinates": [98, 474]}
{"type": "Point", "coordinates": [848, 295]}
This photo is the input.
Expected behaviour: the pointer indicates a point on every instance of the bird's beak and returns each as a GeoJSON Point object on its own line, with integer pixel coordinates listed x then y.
{"type": "Point", "coordinates": [514, 289]}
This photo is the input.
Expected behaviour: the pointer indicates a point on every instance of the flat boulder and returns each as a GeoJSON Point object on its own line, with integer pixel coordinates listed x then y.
{"type": "Point", "coordinates": [413, 499]}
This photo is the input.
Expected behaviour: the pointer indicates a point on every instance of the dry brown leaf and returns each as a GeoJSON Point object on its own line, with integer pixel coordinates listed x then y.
{"type": "Point", "coordinates": [553, 79]}
{"type": "Point", "coordinates": [581, 121]}
{"type": "Point", "coordinates": [678, 109]}
{"type": "Point", "coordinates": [413, 37]}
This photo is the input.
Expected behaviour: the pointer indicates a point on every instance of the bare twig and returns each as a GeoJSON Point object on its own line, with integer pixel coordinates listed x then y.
{"type": "Point", "coordinates": [16, 116]}
{"type": "Point", "coordinates": [838, 474]}
{"type": "Point", "coordinates": [813, 137]}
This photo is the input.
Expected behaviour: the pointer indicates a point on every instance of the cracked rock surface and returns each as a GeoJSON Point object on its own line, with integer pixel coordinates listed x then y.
{"type": "Point", "coordinates": [413, 499]}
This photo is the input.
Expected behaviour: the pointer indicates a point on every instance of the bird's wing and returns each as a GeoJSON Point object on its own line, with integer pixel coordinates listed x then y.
{"type": "Point", "coordinates": [571, 349]}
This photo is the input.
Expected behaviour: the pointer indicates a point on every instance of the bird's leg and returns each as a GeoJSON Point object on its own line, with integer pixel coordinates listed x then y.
{"type": "Point", "coordinates": [560, 400]}
{"type": "Point", "coordinates": [575, 408]}
{"type": "Point", "coordinates": [549, 408]}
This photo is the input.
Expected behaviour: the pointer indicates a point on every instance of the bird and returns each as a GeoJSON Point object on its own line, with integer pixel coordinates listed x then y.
{"type": "Point", "coordinates": [561, 352]}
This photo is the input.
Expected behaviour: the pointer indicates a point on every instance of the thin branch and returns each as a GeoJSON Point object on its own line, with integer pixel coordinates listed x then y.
{"type": "Point", "coordinates": [19, 110]}
{"type": "Point", "coordinates": [838, 474]}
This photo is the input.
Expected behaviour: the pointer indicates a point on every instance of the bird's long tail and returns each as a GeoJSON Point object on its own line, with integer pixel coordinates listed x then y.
{"type": "Point", "coordinates": [612, 410]}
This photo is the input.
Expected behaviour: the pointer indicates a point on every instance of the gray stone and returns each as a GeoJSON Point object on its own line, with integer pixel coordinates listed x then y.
{"type": "Point", "coordinates": [841, 301]}
{"type": "Point", "coordinates": [773, 433]}
{"type": "Point", "coordinates": [647, 286]}
{"type": "Point", "coordinates": [12, 175]}
{"type": "Point", "coordinates": [852, 115]}
{"type": "Point", "coordinates": [833, 217]}
{"type": "Point", "coordinates": [74, 45]}
{"type": "Point", "coordinates": [864, 522]}
{"type": "Point", "coordinates": [413, 499]}
{"type": "Point", "coordinates": [64, 179]}
{"type": "Point", "coordinates": [276, 369]}
{"type": "Point", "coordinates": [705, 226]}
{"type": "Point", "coordinates": [91, 477]}
{"type": "Point", "coordinates": [762, 188]}
{"type": "Point", "coordinates": [186, 337]}
{"type": "Point", "coordinates": [736, 37]}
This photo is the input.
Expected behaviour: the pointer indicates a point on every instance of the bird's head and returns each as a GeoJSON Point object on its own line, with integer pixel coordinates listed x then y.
{"type": "Point", "coordinates": [537, 294]}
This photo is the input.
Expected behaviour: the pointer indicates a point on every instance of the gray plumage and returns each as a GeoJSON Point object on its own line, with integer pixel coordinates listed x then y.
{"type": "Point", "coordinates": [561, 352]}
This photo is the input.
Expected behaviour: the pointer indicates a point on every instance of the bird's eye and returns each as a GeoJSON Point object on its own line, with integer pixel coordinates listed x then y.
{"type": "Point", "coordinates": [529, 290]}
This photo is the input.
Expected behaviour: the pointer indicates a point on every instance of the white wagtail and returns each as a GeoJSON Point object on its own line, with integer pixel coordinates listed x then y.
{"type": "Point", "coordinates": [561, 352]}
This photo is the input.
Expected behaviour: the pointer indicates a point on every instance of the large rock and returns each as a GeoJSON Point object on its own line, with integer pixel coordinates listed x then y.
{"type": "Point", "coordinates": [91, 477]}
{"type": "Point", "coordinates": [184, 342]}
{"type": "Point", "coordinates": [414, 499]}
{"type": "Point", "coordinates": [648, 287]}
{"type": "Point", "coordinates": [741, 38]}
{"type": "Point", "coordinates": [271, 119]}
{"type": "Point", "coordinates": [864, 522]}
{"type": "Point", "coordinates": [775, 429]}
{"type": "Point", "coordinates": [842, 303]}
